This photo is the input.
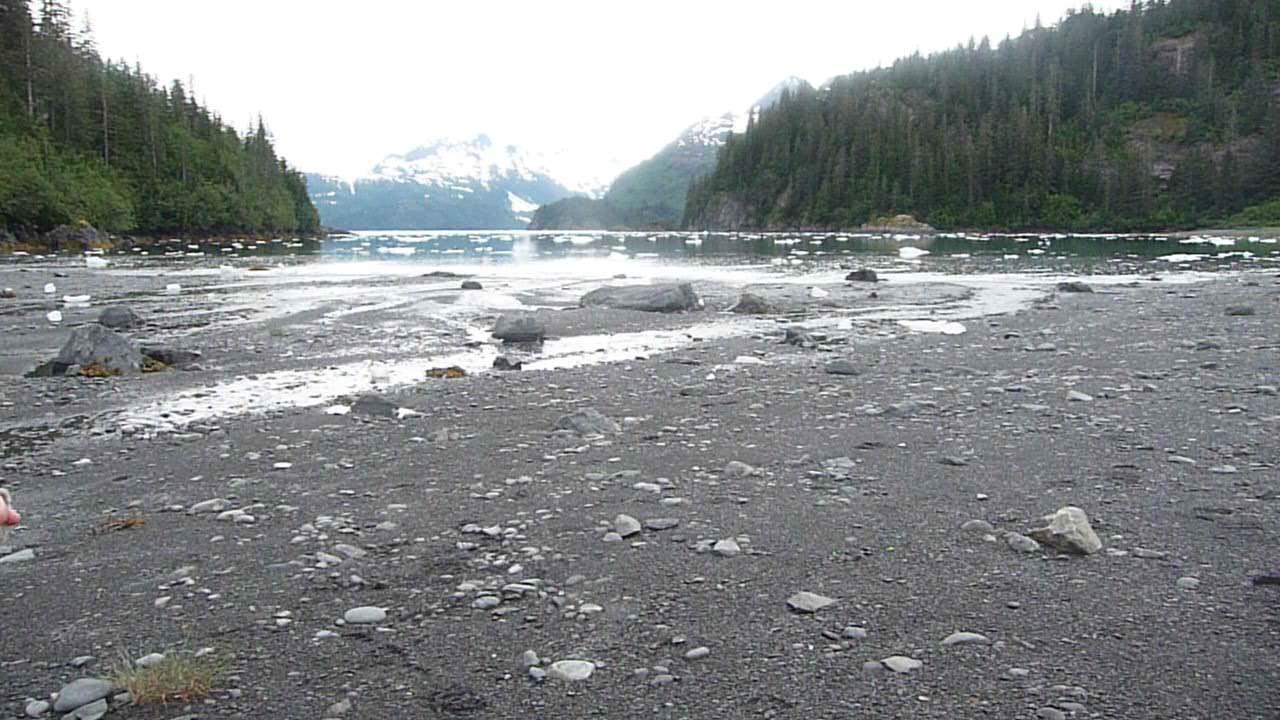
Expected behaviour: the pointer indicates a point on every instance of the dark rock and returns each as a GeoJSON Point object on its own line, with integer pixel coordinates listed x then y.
{"type": "Point", "coordinates": [863, 275]}
{"type": "Point", "coordinates": [118, 317]}
{"type": "Point", "coordinates": [471, 285]}
{"type": "Point", "coordinates": [442, 274]}
{"type": "Point", "coordinates": [1241, 311]}
{"type": "Point", "coordinates": [523, 328]}
{"type": "Point", "coordinates": [1271, 578]}
{"type": "Point", "coordinates": [74, 237]}
{"type": "Point", "coordinates": [588, 421]}
{"type": "Point", "coordinates": [670, 297]}
{"type": "Point", "coordinates": [503, 363]}
{"type": "Point", "coordinates": [173, 357]}
{"type": "Point", "coordinates": [8, 293]}
{"type": "Point", "coordinates": [98, 351]}
{"type": "Point", "coordinates": [374, 406]}
{"type": "Point", "coordinates": [842, 367]}
{"type": "Point", "coordinates": [800, 337]}
{"type": "Point", "coordinates": [1074, 286]}
{"type": "Point", "coordinates": [749, 304]}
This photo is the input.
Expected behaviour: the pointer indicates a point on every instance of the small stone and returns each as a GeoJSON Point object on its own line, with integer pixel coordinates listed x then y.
{"type": "Point", "coordinates": [807, 602]}
{"type": "Point", "coordinates": [659, 524]}
{"type": "Point", "coordinates": [1021, 543]}
{"type": "Point", "coordinates": [738, 469]}
{"type": "Point", "coordinates": [626, 526]}
{"type": "Point", "coordinates": [537, 674]}
{"type": "Point", "coordinates": [81, 661]}
{"type": "Point", "coordinates": [1077, 396]}
{"type": "Point", "coordinates": [842, 368]}
{"type": "Point", "coordinates": [1050, 713]}
{"type": "Point", "coordinates": [342, 707]}
{"type": "Point", "coordinates": [901, 663]}
{"type": "Point", "coordinates": [365, 615]}
{"type": "Point", "coordinates": [965, 638]}
{"type": "Point", "coordinates": [528, 659]}
{"type": "Point", "coordinates": [486, 602]}
{"type": "Point", "coordinates": [873, 666]}
{"type": "Point", "coordinates": [1188, 583]}
{"type": "Point", "coordinates": [571, 670]}
{"type": "Point", "coordinates": [726, 548]}
{"type": "Point", "coordinates": [1018, 673]}
{"type": "Point", "coordinates": [977, 526]}
{"type": "Point", "coordinates": [1146, 554]}
{"type": "Point", "coordinates": [26, 555]}
{"type": "Point", "coordinates": [1241, 311]}
{"type": "Point", "coordinates": [853, 632]}
{"type": "Point", "coordinates": [216, 505]}
{"type": "Point", "coordinates": [36, 708]}
{"type": "Point", "coordinates": [697, 653]}
{"type": "Point", "coordinates": [1069, 531]}
{"type": "Point", "coordinates": [147, 661]}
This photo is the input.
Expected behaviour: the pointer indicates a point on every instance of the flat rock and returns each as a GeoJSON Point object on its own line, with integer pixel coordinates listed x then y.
{"type": "Point", "coordinates": [726, 548]}
{"type": "Point", "coordinates": [658, 524]}
{"type": "Point", "coordinates": [1021, 543]}
{"type": "Point", "coordinates": [90, 711]}
{"type": "Point", "coordinates": [26, 555]}
{"type": "Point", "coordinates": [842, 368]}
{"type": "Point", "coordinates": [965, 638]}
{"type": "Point", "coordinates": [1068, 530]}
{"type": "Point", "coordinates": [862, 275]}
{"type": "Point", "coordinates": [749, 304]}
{"type": "Point", "coordinates": [571, 670]}
{"type": "Point", "coordinates": [1074, 286]}
{"type": "Point", "coordinates": [118, 317]}
{"type": "Point", "coordinates": [901, 663]}
{"type": "Point", "coordinates": [374, 406]}
{"type": "Point", "coordinates": [664, 298]}
{"type": "Point", "coordinates": [807, 602]}
{"type": "Point", "coordinates": [977, 526]}
{"type": "Point", "coordinates": [365, 615]}
{"type": "Point", "coordinates": [80, 692]}
{"type": "Point", "coordinates": [589, 421]}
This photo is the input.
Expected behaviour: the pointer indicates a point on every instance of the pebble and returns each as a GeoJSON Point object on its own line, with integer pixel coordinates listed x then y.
{"type": "Point", "coordinates": [658, 524]}
{"type": "Point", "coordinates": [901, 663]}
{"type": "Point", "coordinates": [853, 632]}
{"type": "Point", "coordinates": [147, 661]}
{"type": "Point", "coordinates": [1050, 713]}
{"type": "Point", "coordinates": [626, 526]}
{"type": "Point", "coordinates": [965, 638]}
{"type": "Point", "coordinates": [1021, 543]}
{"type": "Point", "coordinates": [571, 670]}
{"type": "Point", "coordinates": [365, 615]}
{"type": "Point", "coordinates": [36, 708]}
{"type": "Point", "coordinates": [215, 505]}
{"type": "Point", "coordinates": [726, 548]}
{"type": "Point", "coordinates": [807, 602]}
{"type": "Point", "coordinates": [697, 653]}
{"type": "Point", "coordinates": [81, 661]}
{"type": "Point", "coordinates": [20, 556]}
{"type": "Point", "coordinates": [91, 711]}
{"type": "Point", "coordinates": [1188, 583]}
{"type": "Point", "coordinates": [342, 707]}
{"type": "Point", "coordinates": [977, 526]}
{"type": "Point", "coordinates": [1077, 396]}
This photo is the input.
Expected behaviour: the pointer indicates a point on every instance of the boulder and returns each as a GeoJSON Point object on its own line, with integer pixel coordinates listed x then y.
{"type": "Point", "coordinates": [96, 351]}
{"type": "Point", "coordinates": [1074, 286]}
{"type": "Point", "coordinates": [471, 285]}
{"type": "Point", "coordinates": [507, 364]}
{"type": "Point", "coordinates": [1068, 530]}
{"type": "Point", "coordinates": [374, 406]}
{"type": "Point", "coordinates": [74, 237]}
{"type": "Point", "coordinates": [863, 275]}
{"type": "Point", "coordinates": [118, 317]}
{"type": "Point", "coordinates": [749, 304]}
{"type": "Point", "coordinates": [800, 337]}
{"type": "Point", "coordinates": [522, 328]}
{"type": "Point", "coordinates": [666, 298]}
{"type": "Point", "coordinates": [173, 357]}
{"type": "Point", "coordinates": [81, 692]}
{"type": "Point", "coordinates": [588, 421]}
{"type": "Point", "coordinates": [842, 367]}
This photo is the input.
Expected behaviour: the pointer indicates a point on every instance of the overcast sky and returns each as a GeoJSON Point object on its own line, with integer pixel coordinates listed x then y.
{"type": "Point", "coordinates": [342, 84]}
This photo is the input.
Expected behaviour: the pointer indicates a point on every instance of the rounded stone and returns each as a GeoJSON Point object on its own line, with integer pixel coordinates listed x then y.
{"type": "Point", "coordinates": [571, 670]}
{"type": "Point", "coordinates": [366, 615]}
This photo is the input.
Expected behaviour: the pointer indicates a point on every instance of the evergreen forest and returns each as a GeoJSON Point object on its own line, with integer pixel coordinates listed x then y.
{"type": "Point", "coordinates": [1162, 116]}
{"type": "Point", "coordinates": [84, 140]}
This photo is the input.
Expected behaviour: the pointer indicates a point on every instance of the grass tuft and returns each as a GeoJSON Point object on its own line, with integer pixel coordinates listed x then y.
{"type": "Point", "coordinates": [176, 679]}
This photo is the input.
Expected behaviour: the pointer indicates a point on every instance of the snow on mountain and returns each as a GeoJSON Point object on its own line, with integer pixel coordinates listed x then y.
{"type": "Point", "coordinates": [713, 131]}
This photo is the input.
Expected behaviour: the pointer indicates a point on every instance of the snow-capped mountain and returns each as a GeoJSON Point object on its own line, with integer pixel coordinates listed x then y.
{"type": "Point", "coordinates": [653, 192]}
{"type": "Point", "coordinates": [450, 185]}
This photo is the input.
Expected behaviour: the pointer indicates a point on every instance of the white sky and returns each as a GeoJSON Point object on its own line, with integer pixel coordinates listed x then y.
{"type": "Point", "coordinates": [342, 84]}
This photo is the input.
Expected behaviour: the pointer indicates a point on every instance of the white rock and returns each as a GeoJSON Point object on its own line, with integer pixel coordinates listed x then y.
{"type": "Point", "coordinates": [807, 602]}
{"type": "Point", "coordinates": [626, 526]}
{"type": "Point", "coordinates": [148, 660]}
{"type": "Point", "coordinates": [901, 663]}
{"type": "Point", "coordinates": [20, 556]}
{"type": "Point", "coordinates": [216, 505]}
{"type": "Point", "coordinates": [726, 548]}
{"type": "Point", "coordinates": [365, 615]}
{"type": "Point", "coordinates": [1069, 531]}
{"type": "Point", "coordinates": [571, 670]}
{"type": "Point", "coordinates": [965, 638]}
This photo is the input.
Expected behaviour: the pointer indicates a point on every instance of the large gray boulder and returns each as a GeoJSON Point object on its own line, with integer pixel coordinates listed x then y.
{"type": "Point", "coordinates": [519, 328]}
{"type": "Point", "coordinates": [118, 317]}
{"type": "Point", "coordinates": [1069, 531]}
{"type": "Point", "coordinates": [752, 304]}
{"type": "Point", "coordinates": [665, 298]}
{"type": "Point", "coordinates": [588, 421]}
{"type": "Point", "coordinates": [94, 349]}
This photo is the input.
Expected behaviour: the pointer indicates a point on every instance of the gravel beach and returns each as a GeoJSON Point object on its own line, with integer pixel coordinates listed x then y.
{"type": "Point", "coordinates": [760, 532]}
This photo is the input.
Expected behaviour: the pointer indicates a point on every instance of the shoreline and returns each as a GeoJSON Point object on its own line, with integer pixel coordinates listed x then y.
{"type": "Point", "coordinates": [938, 430]}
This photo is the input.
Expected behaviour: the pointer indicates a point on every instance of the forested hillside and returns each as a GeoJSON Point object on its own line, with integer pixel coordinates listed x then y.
{"type": "Point", "coordinates": [85, 140]}
{"type": "Point", "coordinates": [1163, 116]}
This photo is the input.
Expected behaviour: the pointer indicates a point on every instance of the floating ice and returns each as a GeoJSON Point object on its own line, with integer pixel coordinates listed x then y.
{"type": "Point", "coordinates": [95, 263]}
{"type": "Point", "coordinates": [911, 253]}
{"type": "Point", "coordinates": [50, 289]}
{"type": "Point", "coordinates": [944, 327]}
{"type": "Point", "coordinates": [173, 288]}
{"type": "Point", "coordinates": [54, 316]}
{"type": "Point", "coordinates": [76, 299]}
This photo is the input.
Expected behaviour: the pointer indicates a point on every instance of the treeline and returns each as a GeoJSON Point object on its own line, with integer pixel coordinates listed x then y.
{"type": "Point", "coordinates": [86, 140]}
{"type": "Point", "coordinates": [1163, 116]}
